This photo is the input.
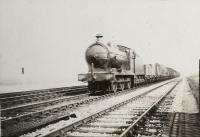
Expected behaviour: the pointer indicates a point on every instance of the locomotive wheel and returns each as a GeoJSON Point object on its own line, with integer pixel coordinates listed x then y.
{"type": "Point", "coordinates": [121, 86]}
{"type": "Point", "coordinates": [113, 87]}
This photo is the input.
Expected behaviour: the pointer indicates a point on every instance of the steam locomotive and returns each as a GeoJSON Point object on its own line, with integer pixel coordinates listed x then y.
{"type": "Point", "coordinates": [116, 67]}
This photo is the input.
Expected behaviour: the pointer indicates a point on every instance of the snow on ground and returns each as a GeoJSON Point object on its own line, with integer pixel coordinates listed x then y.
{"type": "Point", "coordinates": [184, 100]}
{"type": "Point", "coordinates": [91, 109]}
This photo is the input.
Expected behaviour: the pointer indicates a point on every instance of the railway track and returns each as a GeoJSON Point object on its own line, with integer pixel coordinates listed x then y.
{"type": "Point", "coordinates": [20, 124]}
{"type": "Point", "coordinates": [184, 125]}
{"type": "Point", "coordinates": [130, 109]}
{"type": "Point", "coordinates": [33, 115]}
{"type": "Point", "coordinates": [17, 98]}
{"type": "Point", "coordinates": [39, 106]}
{"type": "Point", "coordinates": [158, 123]}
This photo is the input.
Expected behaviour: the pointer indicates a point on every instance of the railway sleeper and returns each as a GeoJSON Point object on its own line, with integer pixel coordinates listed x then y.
{"type": "Point", "coordinates": [100, 130]}
{"type": "Point", "coordinates": [122, 123]}
{"type": "Point", "coordinates": [104, 125]}
{"type": "Point", "coordinates": [78, 134]}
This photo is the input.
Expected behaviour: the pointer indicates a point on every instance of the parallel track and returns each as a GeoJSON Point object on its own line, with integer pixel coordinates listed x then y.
{"type": "Point", "coordinates": [33, 120]}
{"type": "Point", "coordinates": [33, 115]}
{"type": "Point", "coordinates": [38, 114]}
{"type": "Point", "coordinates": [98, 124]}
{"type": "Point", "coordinates": [17, 98]}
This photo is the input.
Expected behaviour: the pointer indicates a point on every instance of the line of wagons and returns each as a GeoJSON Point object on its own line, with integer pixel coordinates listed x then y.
{"type": "Point", "coordinates": [117, 67]}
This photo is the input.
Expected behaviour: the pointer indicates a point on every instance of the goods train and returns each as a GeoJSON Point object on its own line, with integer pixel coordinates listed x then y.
{"type": "Point", "coordinates": [116, 67]}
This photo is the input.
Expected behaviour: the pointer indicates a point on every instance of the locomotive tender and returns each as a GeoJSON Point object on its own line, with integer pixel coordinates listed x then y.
{"type": "Point", "coordinates": [113, 67]}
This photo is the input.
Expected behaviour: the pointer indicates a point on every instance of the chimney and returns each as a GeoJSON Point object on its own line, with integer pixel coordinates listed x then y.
{"type": "Point", "coordinates": [99, 36]}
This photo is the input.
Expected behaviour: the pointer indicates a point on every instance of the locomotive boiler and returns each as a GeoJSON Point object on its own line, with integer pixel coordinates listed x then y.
{"type": "Point", "coordinates": [111, 67]}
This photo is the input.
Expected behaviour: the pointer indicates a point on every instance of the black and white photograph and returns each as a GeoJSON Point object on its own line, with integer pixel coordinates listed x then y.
{"type": "Point", "coordinates": [99, 68]}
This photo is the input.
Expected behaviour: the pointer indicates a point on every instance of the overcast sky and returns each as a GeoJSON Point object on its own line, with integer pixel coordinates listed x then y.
{"type": "Point", "coordinates": [49, 37]}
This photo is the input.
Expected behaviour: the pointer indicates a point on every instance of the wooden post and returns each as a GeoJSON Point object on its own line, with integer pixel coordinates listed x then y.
{"type": "Point", "coordinates": [22, 70]}
{"type": "Point", "coordinates": [199, 86]}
